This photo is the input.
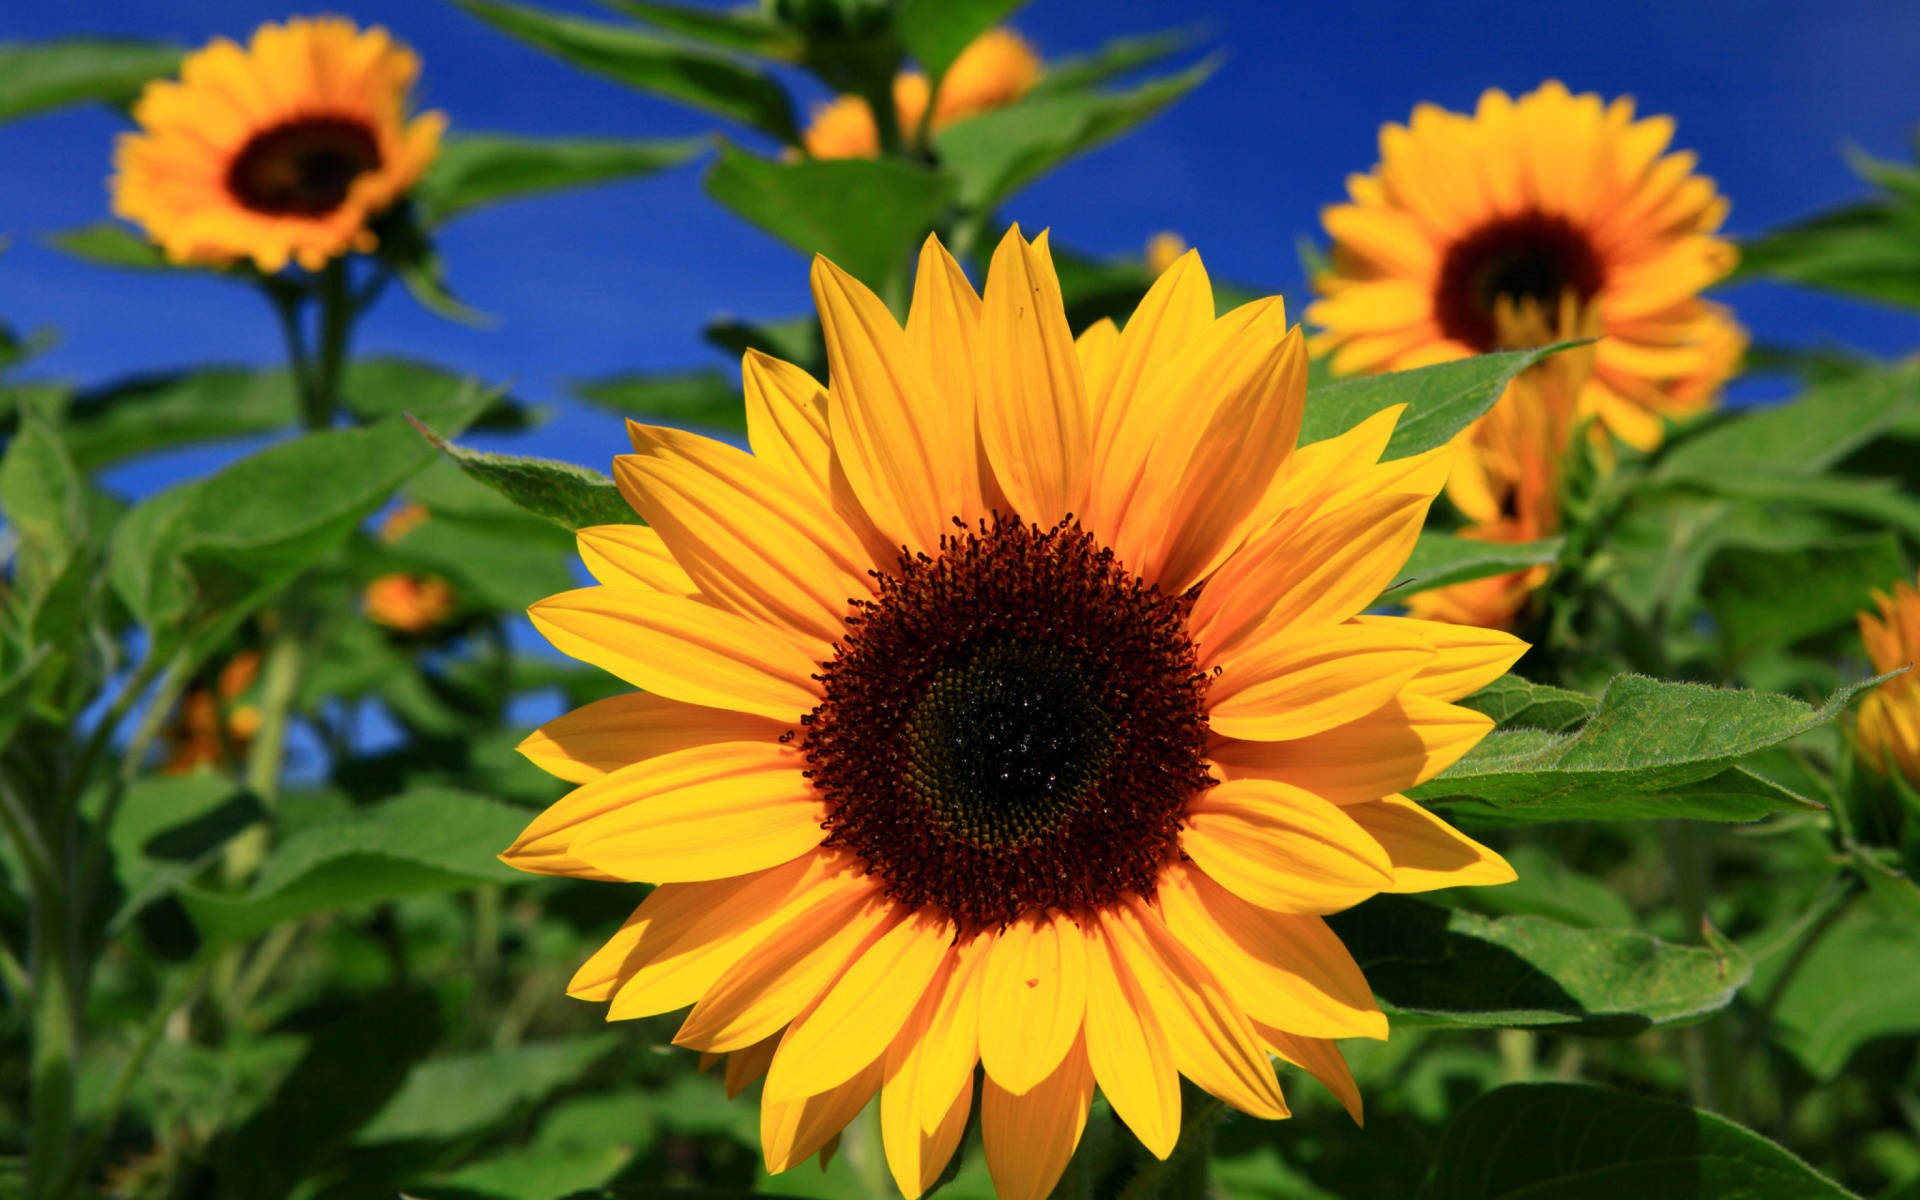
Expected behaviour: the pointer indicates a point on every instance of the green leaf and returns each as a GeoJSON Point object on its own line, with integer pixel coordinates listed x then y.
{"type": "Point", "coordinates": [111, 244]}
{"type": "Point", "coordinates": [474, 170]}
{"type": "Point", "coordinates": [569, 496]}
{"type": "Point", "coordinates": [796, 340]}
{"type": "Point", "coordinates": [169, 827]}
{"type": "Point", "coordinates": [1827, 1011]}
{"type": "Point", "coordinates": [866, 215]}
{"type": "Point", "coordinates": [1574, 1142]}
{"type": "Point", "coordinates": [1803, 438]}
{"type": "Point", "coordinates": [705, 398]}
{"type": "Point", "coordinates": [746, 29]}
{"type": "Point", "coordinates": [1441, 559]}
{"type": "Point", "coordinates": [1512, 702]}
{"type": "Point", "coordinates": [1652, 750]}
{"type": "Point", "coordinates": [1115, 58]}
{"type": "Point", "coordinates": [428, 840]}
{"type": "Point", "coordinates": [1441, 400]}
{"type": "Point", "coordinates": [455, 1094]}
{"type": "Point", "coordinates": [43, 501]}
{"type": "Point", "coordinates": [1870, 251]}
{"type": "Point", "coordinates": [503, 562]}
{"type": "Point", "coordinates": [707, 81]}
{"type": "Point", "coordinates": [996, 153]}
{"type": "Point", "coordinates": [38, 76]}
{"type": "Point", "coordinates": [1433, 966]}
{"type": "Point", "coordinates": [936, 31]}
{"type": "Point", "coordinates": [1764, 599]}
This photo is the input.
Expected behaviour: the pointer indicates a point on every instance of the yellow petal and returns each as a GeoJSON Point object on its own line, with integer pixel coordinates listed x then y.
{"type": "Point", "coordinates": [951, 1047]}
{"type": "Point", "coordinates": [632, 556]}
{"type": "Point", "coordinates": [1407, 741]}
{"type": "Point", "coordinates": [1098, 346]}
{"type": "Point", "coordinates": [1129, 1055]}
{"type": "Point", "coordinates": [1321, 1059]}
{"type": "Point", "coordinates": [1427, 852]}
{"type": "Point", "coordinates": [771, 984]}
{"type": "Point", "coordinates": [1282, 848]}
{"type": "Point", "coordinates": [893, 430]}
{"type": "Point", "coordinates": [1033, 995]}
{"type": "Point", "coordinates": [860, 1014]}
{"type": "Point", "coordinates": [793, 1131]}
{"type": "Point", "coordinates": [609, 734]}
{"type": "Point", "coordinates": [751, 539]}
{"type": "Point", "coordinates": [745, 1066]}
{"type": "Point", "coordinates": [1212, 1041]}
{"type": "Point", "coordinates": [683, 649]}
{"type": "Point", "coordinates": [1033, 415]}
{"type": "Point", "coordinates": [944, 327]}
{"type": "Point", "coordinates": [752, 790]}
{"type": "Point", "coordinates": [1292, 684]}
{"type": "Point", "coordinates": [786, 419]}
{"type": "Point", "coordinates": [1468, 658]}
{"type": "Point", "coordinates": [1176, 311]}
{"type": "Point", "coordinates": [916, 1155]}
{"type": "Point", "coordinates": [1286, 970]}
{"type": "Point", "coordinates": [1030, 1136]}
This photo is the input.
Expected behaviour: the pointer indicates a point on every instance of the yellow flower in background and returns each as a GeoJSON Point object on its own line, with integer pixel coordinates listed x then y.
{"type": "Point", "coordinates": [408, 603]}
{"type": "Point", "coordinates": [280, 152]}
{"type": "Point", "coordinates": [1163, 250]}
{"type": "Point", "coordinates": [995, 69]}
{"type": "Point", "coordinates": [1014, 703]}
{"type": "Point", "coordinates": [1888, 732]}
{"type": "Point", "coordinates": [1545, 198]}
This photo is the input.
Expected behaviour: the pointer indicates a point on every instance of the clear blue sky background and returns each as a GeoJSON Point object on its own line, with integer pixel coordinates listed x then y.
{"type": "Point", "coordinates": [1769, 93]}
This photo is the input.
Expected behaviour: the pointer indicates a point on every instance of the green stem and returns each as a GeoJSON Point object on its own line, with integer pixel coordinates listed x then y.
{"type": "Point", "coordinates": [56, 1044]}
{"type": "Point", "coordinates": [337, 311]}
{"type": "Point", "coordinates": [1184, 1170]}
{"type": "Point", "coordinates": [1713, 1067]}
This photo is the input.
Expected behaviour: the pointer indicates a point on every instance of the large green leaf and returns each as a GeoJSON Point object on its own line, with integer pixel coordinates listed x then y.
{"type": "Point", "coordinates": [936, 31]}
{"type": "Point", "coordinates": [570, 496]}
{"type": "Point", "coordinates": [473, 170]}
{"type": "Point", "coordinates": [111, 244]}
{"type": "Point", "coordinates": [428, 840]}
{"type": "Point", "coordinates": [996, 153]}
{"type": "Point", "coordinates": [1436, 966]}
{"type": "Point", "coordinates": [745, 28]}
{"type": "Point", "coordinates": [866, 215]}
{"type": "Point", "coordinates": [672, 69]}
{"type": "Point", "coordinates": [169, 827]}
{"type": "Point", "coordinates": [1514, 703]}
{"type": "Point", "coordinates": [1441, 400]}
{"type": "Point", "coordinates": [1828, 1009]}
{"type": "Point", "coordinates": [456, 1094]}
{"type": "Point", "coordinates": [1651, 750]}
{"type": "Point", "coordinates": [37, 76]}
{"type": "Point", "coordinates": [1769, 599]}
{"type": "Point", "coordinates": [705, 398]}
{"type": "Point", "coordinates": [1870, 251]}
{"type": "Point", "coordinates": [1806, 437]}
{"type": "Point", "coordinates": [796, 340]}
{"type": "Point", "coordinates": [1572, 1142]}
{"type": "Point", "coordinates": [1441, 559]}
{"type": "Point", "coordinates": [43, 502]}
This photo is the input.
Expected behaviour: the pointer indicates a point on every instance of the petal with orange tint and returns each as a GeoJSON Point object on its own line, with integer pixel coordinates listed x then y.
{"type": "Point", "coordinates": [609, 734]}
{"type": "Point", "coordinates": [951, 1046]}
{"type": "Point", "coordinates": [1097, 346]}
{"type": "Point", "coordinates": [1283, 848]}
{"type": "Point", "coordinates": [1029, 1136]}
{"type": "Point", "coordinates": [1176, 311]}
{"type": "Point", "coordinates": [1294, 684]}
{"type": "Point", "coordinates": [1321, 1059]}
{"type": "Point", "coordinates": [1467, 657]}
{"type": "Point", "coordinates": [1427, 852]}
{"type": "Point", "coordinates": [745, 1066]}
{"type": "Point", "coordinates": [1129, 1055]}
{"type": "Point", "coordinates": [1406, 741]}
{"type": "Point", "coordinates": [632, 556]}
{"type": "Point", "coordinates": [1290, 971]}
{"type": "Point", "coordinates": [751, 539]}
{"type": "Point", "coordinates": [892, 433]}
{"type": "Point", "coordinates": [786, 419]}
{"type": "Point", "coordinates": [917, 1154]}
{"type": "Point", "coordinates": [682, 649]}
{"type": "Point", "coordinates": [793, 1131]}
{"type": "Point", "coordinates": [1033, 416]}
{"type": "Point", "coordinates": [1033, 995]}
{"type": "Point", "coordinates": [944, 327]}
{"type": "Point", "coordinates": [859, 1015]}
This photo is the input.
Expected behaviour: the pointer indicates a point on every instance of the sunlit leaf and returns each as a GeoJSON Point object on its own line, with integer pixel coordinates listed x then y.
{"type": "Point", "coordinates": [1575, 1142]}
{"type": "Point", "coordinates": [1441, 400]}
{"type": "Point", "coordinates": [1515, 703]}
{"type": "Point", "coordinates": [570, 496]}
{"type": "Point", "coordinates": [936, 31]}
{"type": "Point", "coordinates": [745, 27]}
{"type": "Point", "coordinates": [474, 170]}
{"type": "Point", "coordinates": [38, 76]}
{"type": "Point", "coordinates": [1440, 560]}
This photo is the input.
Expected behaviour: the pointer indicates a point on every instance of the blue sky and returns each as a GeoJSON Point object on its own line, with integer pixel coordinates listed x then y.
{"type": "Point", "coordinates": [1767, 93]}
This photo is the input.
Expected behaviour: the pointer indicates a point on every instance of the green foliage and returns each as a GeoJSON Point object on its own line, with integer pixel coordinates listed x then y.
{"type": "Point", "coordinates": [38, 76]}
{"type": "Point", "coordinates": [1869, 250]}
{"type": "Point", "coordinates": [1441, 560]}
{"type": "Point", "coordinates": [1435, 966]}
{"type": "Point", "coordinates": [1586, 1143]}
{"type": "Point", "coordinates": [1651, 750]}
{"type": "Point", "coordinates": [936, 31]}
{"type": "Point", "coordinates": [1514, 703]}
{"type": "Point", "coordinates": [1826, 1011]}
{"type": "Point", "coordinates": [705, 399]}
{"type": "Point", "coordinates": [569, 496]}
{"type": "Point", "coordinates": [476, 170]}
{"type": "Point", "coordinates": [1440, 400]}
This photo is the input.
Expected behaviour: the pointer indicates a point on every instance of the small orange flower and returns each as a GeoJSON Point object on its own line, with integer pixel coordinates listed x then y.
{"type": "Point", "coordinates": [195, 736]}
{"type": "Point", "coordinates": [409, 603]}
{"type": "Point", "coordinates": [1888, 732]}
{"type": "Point", "coordinates": [995, 69]}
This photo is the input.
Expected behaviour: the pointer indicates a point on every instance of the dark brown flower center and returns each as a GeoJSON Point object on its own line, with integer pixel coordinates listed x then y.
{"type": "Point", "coordinates": [303, 168]}
{"type": "Point", "coordinates": [1531, 256]}
{"type": "Point", "coordinates": [1015, 724]}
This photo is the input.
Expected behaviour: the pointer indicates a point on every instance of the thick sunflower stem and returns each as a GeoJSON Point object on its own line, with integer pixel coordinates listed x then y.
{"type": "Point", "coordinates": [337, 311]}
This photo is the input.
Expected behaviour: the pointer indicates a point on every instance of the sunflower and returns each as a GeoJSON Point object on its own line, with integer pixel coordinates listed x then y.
{"type": "Point", "coordinates": [1888, 732]}
{"type": "Point", "coordinates": [1542, 198]}
{"type": "Point", "coordinates": [995, 69]}
{"type": "Point", "coordinates": [1012, 703]}
{"type": "Point", "coordinates": [279, 152]}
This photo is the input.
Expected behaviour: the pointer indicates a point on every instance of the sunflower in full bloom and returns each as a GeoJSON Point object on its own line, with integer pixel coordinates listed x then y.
{"type": "Point", "coordinates": [995, 69]}
{"type": "Point", "coordinates": [1888, 732]}
{"type": "Point", "coordinates": [1553, 198]}
{"type": "Point", "coordinates": [1012, 704]}
{"type": "Point", "coordinates": [280, 152]}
